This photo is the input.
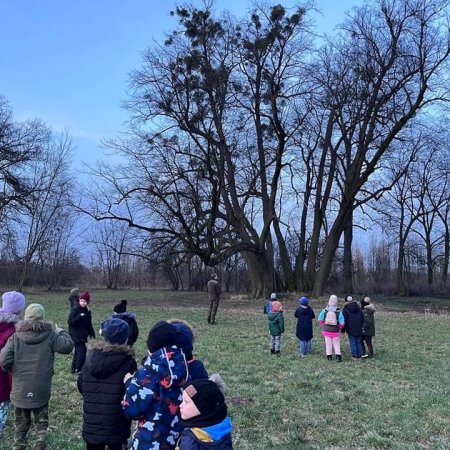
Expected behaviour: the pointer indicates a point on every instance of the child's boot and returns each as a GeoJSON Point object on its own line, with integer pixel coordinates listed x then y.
{"type": "Point", "coordinates": [338, 358]}
{"type": "Point", "coordinates": [272, 351]}
{"type": "Point", "coordinates": [330, 357]}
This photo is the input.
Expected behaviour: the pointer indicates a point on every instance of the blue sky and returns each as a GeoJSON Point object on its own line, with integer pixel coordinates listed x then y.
{"type": "Point", "coordinates": [67, 62]}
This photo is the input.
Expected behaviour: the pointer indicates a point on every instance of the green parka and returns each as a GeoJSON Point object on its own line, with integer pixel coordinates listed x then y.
{"type": "Point", "coordinates": [29, 355]}
{"type": "Point", "coordinates": [276, 323]}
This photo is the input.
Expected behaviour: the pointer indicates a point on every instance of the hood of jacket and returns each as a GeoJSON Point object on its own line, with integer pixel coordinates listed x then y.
{"type": "Point", "coordinates": [124, 315]}
{"type": "Point", "coordinates": [104, 358]}
{"type": "Point", "coordinates": [274, 315]}
{"type": "Point", "coordinates": [33, 332]}
{"type": "Point", "coordinates": [219, 430]}
{"type": "Point", "coordinates": [304, 309]}
{"type": "Point", "coordinates": [170, 365]}
{"type": "Point", "coordinates": [352, 307]}
{"type": "Point", "coordinates": [369, 308]}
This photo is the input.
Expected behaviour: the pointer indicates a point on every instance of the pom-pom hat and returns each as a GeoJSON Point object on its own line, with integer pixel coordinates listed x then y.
{"type": "Point", "coordinates": [121, 307]}
{"type": "Point", "coordinates": [304, 301]}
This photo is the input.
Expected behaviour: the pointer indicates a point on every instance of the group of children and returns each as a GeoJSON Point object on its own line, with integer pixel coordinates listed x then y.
{"type": "Point", "coordinates": [173, 401]}
{"type": "Point", "coordinates": [358, 321]}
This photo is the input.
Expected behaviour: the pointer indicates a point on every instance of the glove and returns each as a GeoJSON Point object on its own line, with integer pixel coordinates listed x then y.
{"type": "Point", "coordinates": [57, 329]}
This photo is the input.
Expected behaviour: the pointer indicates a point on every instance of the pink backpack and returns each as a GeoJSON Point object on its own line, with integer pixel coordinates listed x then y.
{"type": "Point", "coordinates": [331, 317]}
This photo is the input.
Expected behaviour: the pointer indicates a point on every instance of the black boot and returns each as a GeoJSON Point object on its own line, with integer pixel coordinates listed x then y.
{"type": "Point", "coordinates": [272, 351]}
{"type": "Point", "coordinates": [338, 358]}
{"type": "Point", "coordinates": [330, 357]}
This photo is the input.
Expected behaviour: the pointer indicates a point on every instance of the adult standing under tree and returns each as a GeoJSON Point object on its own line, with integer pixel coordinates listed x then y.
{"type": "Point", "coordinates": [214, 297]}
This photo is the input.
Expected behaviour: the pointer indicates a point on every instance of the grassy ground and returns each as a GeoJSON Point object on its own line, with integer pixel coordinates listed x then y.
{"type": "Point", "coordinates": [398, 400]}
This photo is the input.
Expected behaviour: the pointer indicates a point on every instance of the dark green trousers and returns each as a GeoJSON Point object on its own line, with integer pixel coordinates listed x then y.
{"type": "Point", "coordinates": [22, 424]}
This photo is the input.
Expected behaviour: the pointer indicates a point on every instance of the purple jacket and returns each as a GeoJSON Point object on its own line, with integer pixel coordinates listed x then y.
{"type": "Point", "coordinates": [7, 329]}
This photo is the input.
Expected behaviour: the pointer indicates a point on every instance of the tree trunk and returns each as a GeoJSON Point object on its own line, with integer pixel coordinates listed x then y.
{"type": "Point", "coordinates": [446, 256]}
{"type": "Point", "coordinates": [348, 260]}
{"type": "Point", "coordinates": [289, 276]}
{"type": "Point", "coordinates": [331, 245]}
{"type": "Point", "coordinates": [261, 276]}
{"type": "Point", "coordinates": [401, 285]}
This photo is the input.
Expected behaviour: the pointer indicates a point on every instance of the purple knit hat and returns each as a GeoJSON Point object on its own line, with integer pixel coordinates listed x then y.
{"type": "Point", "coordinates": [13, 302]}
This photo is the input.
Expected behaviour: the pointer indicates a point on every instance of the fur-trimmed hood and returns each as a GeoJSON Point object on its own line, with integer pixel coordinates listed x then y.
{"type": "Point", "coordinates": [105, 346]}
{"type": "Point", "coordinates": [369, 308]}
{"type": "Point", "coordinates": [104, 358]}
{"type": "Point", "coordinates": [9, 318]}
{"type": "Point", "coordinates": [34, 325]}
{"type": "Point", "coordinates": [33, 331]}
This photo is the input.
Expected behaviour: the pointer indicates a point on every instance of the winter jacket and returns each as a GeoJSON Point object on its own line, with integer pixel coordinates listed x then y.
{"type": "Point", "coordinates": [29, 355]}
{"type": "Point", "coordinates": [80, 324]}
{"type": "Point", "coordinates": [276, 323]}
{"type": "Point", "coordinates": [331, 330]}
{"type": "Point", "coordinates": [197, 370]}
{"type": "Point", "coordinates": [130, 319]}
{"type": "Point", "coordinates": [213, 437]}
{"type": "Point", "coordinates": [153, 396]}
{"type": "Point", "coordinates": [7, 329]}
{"type": "Point", "coordinates": [369, 320]}
{"type": "Point", "coordinates": [101, 383]}
{"type": "Point", "coordinates": [213, 289]}
{"type": "Point", "coordinates": [354, 318]}
{"type": "Point", "coordinates": [305, 316]}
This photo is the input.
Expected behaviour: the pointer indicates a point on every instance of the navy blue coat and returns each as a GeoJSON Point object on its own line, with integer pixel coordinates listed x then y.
{"type": "Point", "coordinates": [305, 316]}
{"type": "Point", "coordinates": [354, 319]}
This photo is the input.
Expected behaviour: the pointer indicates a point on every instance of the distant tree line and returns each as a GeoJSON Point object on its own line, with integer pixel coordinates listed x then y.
{"type": "Point", "coordinates": [262, 151]}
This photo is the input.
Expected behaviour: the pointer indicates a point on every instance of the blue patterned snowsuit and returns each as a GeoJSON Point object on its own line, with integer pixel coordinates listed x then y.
{"type": "Point", "coordinates": [153, 396]}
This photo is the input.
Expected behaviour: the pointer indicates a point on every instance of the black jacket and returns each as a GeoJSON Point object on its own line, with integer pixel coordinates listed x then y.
{"type": "Point", "coordinates": [354, 318]}
{"type": "Point", "coordinates": [305, 315]}
{"type": "Point", "coordinates": [102, 387]}
{"type": "Point", "coordinates": [130, 319]}
{"type": "Point", "coordinates": [80, 324]}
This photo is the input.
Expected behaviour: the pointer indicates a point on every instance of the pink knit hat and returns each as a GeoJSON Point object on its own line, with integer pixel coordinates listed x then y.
{"type": "Point", "coordinates": [13, 302]}
{"type": "Point", "coordinates": [333, 301]}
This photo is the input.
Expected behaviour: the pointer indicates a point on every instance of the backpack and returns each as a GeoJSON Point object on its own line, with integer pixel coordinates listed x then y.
{"type": "Point", "coordinates": [331, 317]}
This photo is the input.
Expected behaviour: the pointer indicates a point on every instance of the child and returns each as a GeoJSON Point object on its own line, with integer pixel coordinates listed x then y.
{"type": "Point", "coordinates": [305, 316]}
{"type": "Point", "coordinates": [101, 383]}
{"type": "Point", "coordinates": [276, 327]}
{"type": "Point", "coordinates": [268, 305]}
{"type": "Point", "coordinates": [353, 318]}
{"type": "Point", "coordinates": [12, 305]}
{"type": "Point", "coordinates": [153, 395]}
{"type": "Point", "coordinates": [29, 355]}
{"type": "Point", "coordinates": [120, 312]}
{"type": "Point", "coordinates": [368, 330]}
{"type": "Point", "coordinates": [332, 321]}
{"type": "Point", "coordinates": [204, 414]}
{"type": "Point", "coordinates": [185, 341]}
{"type": "Point", "coordinates": [80, 328]}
